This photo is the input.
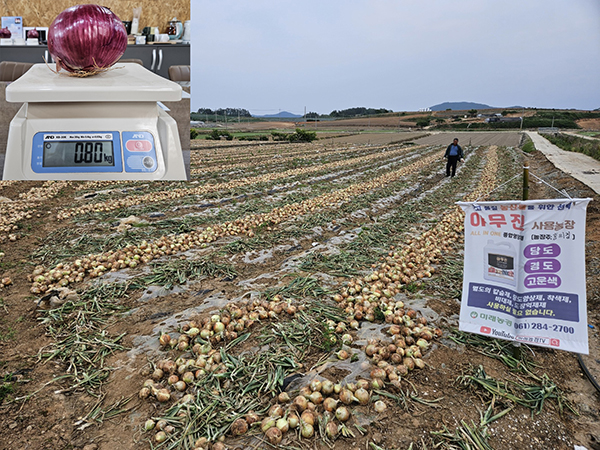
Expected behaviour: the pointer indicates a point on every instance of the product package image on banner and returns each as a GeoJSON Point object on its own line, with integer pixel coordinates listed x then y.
{"type": "Point", "coordinates": [524, 272]}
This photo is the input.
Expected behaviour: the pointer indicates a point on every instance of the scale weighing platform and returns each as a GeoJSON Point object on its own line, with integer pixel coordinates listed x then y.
{"type": "Point", "coordinates": [103, 127]}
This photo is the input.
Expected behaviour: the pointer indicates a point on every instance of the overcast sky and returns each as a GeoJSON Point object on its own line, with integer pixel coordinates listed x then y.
{"type": "Point", "coordinates": [322, 55]}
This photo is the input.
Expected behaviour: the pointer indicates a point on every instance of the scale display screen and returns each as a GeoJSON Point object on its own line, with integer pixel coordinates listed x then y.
{"type": "Point", "coordinates": [73, 152]}
{"type": "Point", "coordinates": [81, 153]}
{"type": "Point", "coordinates": [94, 152]}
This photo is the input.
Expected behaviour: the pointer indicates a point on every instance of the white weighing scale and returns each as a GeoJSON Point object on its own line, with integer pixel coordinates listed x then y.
{"type": "Point", "coordinates": [104, 127]}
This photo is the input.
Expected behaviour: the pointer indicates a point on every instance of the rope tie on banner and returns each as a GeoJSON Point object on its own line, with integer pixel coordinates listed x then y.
{"type": "Point", "coordinates": [563, 192]}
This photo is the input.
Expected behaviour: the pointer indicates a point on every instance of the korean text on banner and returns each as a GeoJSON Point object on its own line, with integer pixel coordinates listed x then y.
{"type": "Point", "coordinates": [524, 272]}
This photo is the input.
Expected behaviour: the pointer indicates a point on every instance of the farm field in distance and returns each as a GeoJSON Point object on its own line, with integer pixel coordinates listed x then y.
{"type": "Point", "coordinates": [291, 295]}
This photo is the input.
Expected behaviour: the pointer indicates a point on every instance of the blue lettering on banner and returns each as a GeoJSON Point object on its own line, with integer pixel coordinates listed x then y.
{"type": "Point", "coordinates": [561, 306]}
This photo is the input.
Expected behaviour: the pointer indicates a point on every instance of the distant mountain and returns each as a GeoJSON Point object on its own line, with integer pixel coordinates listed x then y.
{"type": "Point", "coordinates": [459, 106]}
{"type": "Point", "coordinates": [280, 115]}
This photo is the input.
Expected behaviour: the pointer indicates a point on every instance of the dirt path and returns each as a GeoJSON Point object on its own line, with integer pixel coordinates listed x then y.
{"type": "Point", "coordinates": [578, 165]}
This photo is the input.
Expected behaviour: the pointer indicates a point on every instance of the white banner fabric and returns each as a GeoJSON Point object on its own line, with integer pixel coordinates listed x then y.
{"type": "Point", "coordinates": [524, 272]}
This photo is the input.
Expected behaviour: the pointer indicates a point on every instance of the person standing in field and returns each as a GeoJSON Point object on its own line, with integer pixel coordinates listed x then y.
{"type": "Point", "coordinates": [454, 152]}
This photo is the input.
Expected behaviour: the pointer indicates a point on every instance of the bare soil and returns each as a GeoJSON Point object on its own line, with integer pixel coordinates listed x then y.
{"type": "Point", "coordinates": [589, 124]}
{"type": "Point", "coordinates": [49, 419]}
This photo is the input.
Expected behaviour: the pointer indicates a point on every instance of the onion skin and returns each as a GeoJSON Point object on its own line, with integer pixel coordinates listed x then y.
{"type": "Point", "coordinates": [379, 406]}
{"type": "Point", "coordinates": [307, 430]}
{"type": "Point", "coordinates": [276, 411]}
{"type": "Point", "coordinates": [342, 414]}
{"type": "Point", "coordinates": [362, 395]}
{"type": "Point", "coordinates": [274, 435]}
{"type": "Point", "coordinates": [85, 38]}
{"type": "Point", "coordinates": [293, 420]}
{"type": "Point", "coordinates": [332, 430]}
{"type": "Point", "coordinates": [308, 417]}
{"type": "Point", "coordinates": [301, 403]}
{"type": "Point", "coordinates": [239, 427]}
{"type": "Point", "coordinates": [282, 424]}
{"type": "Point", "coordinates": [326, 387]}
{"type": "Point", "coordinates": [163, 395]}
{"type": "Point", "coordinates": [267, 423]}
{"type": "Point", "coordinates": [251, 417]}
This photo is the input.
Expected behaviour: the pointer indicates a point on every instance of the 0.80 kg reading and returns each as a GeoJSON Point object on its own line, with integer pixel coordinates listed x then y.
{"type": "Point", "coordinates": [78, 153]}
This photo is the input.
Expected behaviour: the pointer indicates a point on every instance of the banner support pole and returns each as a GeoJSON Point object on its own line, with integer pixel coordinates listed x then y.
{"type": "Point", "coordinates": [517, 345]}
{"type": "Point", "coordinates": [526, 182]}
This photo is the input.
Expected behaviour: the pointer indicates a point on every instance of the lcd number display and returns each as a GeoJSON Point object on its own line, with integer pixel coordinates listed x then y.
{"type": "Point", "coordinates": [84, 152]}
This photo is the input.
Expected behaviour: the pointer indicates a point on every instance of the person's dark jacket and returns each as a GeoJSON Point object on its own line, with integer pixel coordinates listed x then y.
{"type": "Point", "coordinates": [460, 151]}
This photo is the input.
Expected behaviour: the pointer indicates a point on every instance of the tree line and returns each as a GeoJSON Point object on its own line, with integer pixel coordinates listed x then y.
{"type": "Point", "coordinates": [230, 112]}
{"type": "Point", "coordinates": [350, 112]}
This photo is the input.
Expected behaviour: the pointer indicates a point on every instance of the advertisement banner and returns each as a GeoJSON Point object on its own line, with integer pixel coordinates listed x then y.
{"type": "Point", "coordinates": [524, 272]}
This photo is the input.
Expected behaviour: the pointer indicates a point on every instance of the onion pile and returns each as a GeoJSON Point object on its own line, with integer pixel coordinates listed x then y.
{"type": "Point", "coordinates": [86, 39]}
{"type": "Point", "coordinates": [231, 321]}
{"type": "Point", "coordinates": [12, 212]}
{"type": "Point", "coordinates": [96, 265]}
{"type": "Point", "coordinates": [320, 402]}
{"type": "Point", "coordinates": [200, 357]}
{"type": "Point", "coordinates": [113, 204]}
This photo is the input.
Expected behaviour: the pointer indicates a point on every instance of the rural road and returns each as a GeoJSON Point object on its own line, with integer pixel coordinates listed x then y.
{"type": "Point", "coordinates": [581, 167]}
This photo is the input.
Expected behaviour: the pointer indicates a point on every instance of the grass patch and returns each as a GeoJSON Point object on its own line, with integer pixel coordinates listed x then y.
{"type": "Point", "coordinates": [307, 331]}
{"type": "Point", "coordinates": [344, 264]}
{"type": "Point", "coordinates": [179, 271]}
{"type": "Point", "coordinates": [6, 387]}
{"type": "Point", "coordinates": [529, 395]}
{"type": "Point", "coordinates": [576, 144]}
{"type": "Point", "coordinates": [9, 334]}
{"type": "Point", "coordinates": [81, 342]}
{"type": "Point", "coordinates": [299, 287]}
{"type": "Point", "coordinates": [528, 146]}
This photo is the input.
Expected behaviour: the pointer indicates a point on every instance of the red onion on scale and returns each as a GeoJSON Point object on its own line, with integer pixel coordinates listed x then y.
{"type": "Point", "coordinates": [86, 39]}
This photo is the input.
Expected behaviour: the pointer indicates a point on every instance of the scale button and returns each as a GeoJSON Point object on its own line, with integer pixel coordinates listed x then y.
{"type": "Point", "coordinates": [148, 162]}
{"type": "Point", "coordinates": [141, 145]}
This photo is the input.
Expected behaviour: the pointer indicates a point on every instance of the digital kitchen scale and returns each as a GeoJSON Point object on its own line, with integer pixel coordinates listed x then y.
{"type": "Point", "coordinates": [103, 127]}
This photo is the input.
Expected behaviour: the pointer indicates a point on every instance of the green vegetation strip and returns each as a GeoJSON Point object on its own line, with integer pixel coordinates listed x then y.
{"type": "Point", "coordinates": [299, 287]}
{"type": "Point", "coordinates": [179, 271]}
{"type": "Point", "coordinates": [6, 387]}
{"type": "Point", "coordinates": [501, 350]}
{"type": "Point", "coordinates": [576, 144]}
{"type": "Point", "coordinates": [532, 396]}
{"type": "Point", "coordinates": [308, 330]}
{"type": "Point", "coordinates": [78, 328]}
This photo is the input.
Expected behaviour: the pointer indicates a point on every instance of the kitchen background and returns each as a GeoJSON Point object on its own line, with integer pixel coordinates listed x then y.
{"type": "Point", "coordinates": [155, 13]}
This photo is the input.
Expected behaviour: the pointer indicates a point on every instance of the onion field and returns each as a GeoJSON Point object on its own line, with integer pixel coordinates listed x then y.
{"type": "Point", "coordinates": [289, 295]}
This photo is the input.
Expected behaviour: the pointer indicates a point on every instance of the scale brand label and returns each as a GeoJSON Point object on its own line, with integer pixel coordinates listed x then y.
{"type": "Point", "coordinates": [78, 137]}
{"type": "Point", "coordinates": [524, 272]}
